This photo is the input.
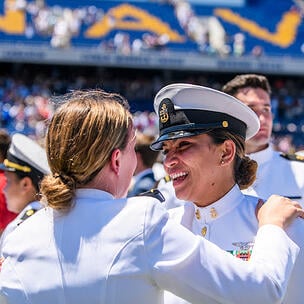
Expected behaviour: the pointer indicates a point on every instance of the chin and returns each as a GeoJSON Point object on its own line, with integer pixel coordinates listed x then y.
{"type": "Point", "coordinates": [182, 196]}
{"type": "Point", "coordinates": [260, 140]}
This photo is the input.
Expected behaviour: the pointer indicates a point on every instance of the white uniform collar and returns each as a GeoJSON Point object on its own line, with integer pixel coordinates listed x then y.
{"type": "Point", "coordinates": [262, 156]}
{"type": "Point", "coordinates": [219, 208]}
{"type": "Point", "coordinates": [93, 194]}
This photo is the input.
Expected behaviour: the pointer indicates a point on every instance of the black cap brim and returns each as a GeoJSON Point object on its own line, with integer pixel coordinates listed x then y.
{"type": "Point", "coordinates": [158, 144]}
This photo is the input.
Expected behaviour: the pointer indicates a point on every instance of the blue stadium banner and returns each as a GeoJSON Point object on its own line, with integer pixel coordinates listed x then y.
{"type": "Point", "coordinates": [199, 27]}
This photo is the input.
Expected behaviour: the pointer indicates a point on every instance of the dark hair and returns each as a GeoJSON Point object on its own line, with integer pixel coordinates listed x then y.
{"type": "Point", "coordinates": [35, 175]}
{"type": "Point", "coordinates": [5, 141]}
{"type": "Point", "coordinates": [244, 167]}
{"type": "Point", "coordinates": [246, 80]}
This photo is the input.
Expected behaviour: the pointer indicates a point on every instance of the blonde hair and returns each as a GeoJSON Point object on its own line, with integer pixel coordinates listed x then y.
{"type": "Point", "coordinates": [85, 129]}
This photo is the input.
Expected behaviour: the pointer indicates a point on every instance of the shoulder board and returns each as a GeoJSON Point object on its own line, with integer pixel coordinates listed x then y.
{"type": "Point", "coordinates": [26, 215]}
{"type": "Point", "coordinates": [167, 178]}
{"type": "Point", "coordinates": [294, 156]}
{"type": "Point", "coordinates": [153, 193]}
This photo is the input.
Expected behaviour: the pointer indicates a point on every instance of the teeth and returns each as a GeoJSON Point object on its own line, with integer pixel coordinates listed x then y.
{"type": "Point", "coordinates": [176, 175]}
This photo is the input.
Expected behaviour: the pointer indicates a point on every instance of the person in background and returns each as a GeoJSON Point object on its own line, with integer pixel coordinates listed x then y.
{"type": "Point", "coordinates": [202, 135]}
{"type": "Point", "coordinates": [24, 167]}
{"type": "Point", "coordinates": [278, 173]}
{"type": "Point", "coordinates": [93, 245]}
{"type": "Point", "coordinates": [5, 216]}
{"type": "Point", "coordinates": [144, 178]}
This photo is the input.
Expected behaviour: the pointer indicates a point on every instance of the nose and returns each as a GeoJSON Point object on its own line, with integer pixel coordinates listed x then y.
{"type": "Point", "coordinates": [170, 160]}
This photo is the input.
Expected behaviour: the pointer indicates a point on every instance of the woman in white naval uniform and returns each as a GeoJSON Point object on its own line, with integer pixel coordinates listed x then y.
{"type": "Point", "coordinates": [93, 245]}
{"type": "Point", "coordinates": [204, 147]}
{"type": "Point", "coordinates": [24, 168]}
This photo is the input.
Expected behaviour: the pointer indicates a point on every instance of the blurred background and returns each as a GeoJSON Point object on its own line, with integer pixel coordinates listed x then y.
{"type": "Point", "coordinates": [50, 47]}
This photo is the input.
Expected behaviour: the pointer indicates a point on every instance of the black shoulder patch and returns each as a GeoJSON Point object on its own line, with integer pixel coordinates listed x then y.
{"type": "Point", "coordinates": [293, 156]}
{"type": "Point", "coordinates": [153, 193]}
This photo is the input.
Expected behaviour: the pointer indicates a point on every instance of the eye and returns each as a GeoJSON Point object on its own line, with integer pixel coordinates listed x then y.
{"type": "Point", "coordinates": [267, 110]}
{"type": "Point", "coordinates": [183, 144]}
{"type": "Point", "coordinates": [164, 152]}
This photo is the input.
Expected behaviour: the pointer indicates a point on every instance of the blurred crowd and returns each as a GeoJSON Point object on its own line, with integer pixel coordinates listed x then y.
{"type": "Point", "coordinates": [25, 90]}
{"type": "Point", "coordinates": [59, 26]}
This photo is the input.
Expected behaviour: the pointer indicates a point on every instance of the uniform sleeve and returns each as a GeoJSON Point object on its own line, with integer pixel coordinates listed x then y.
{"type": "Point", "coordinates": [9, 279]}
{"type": "Point", "coordinates": [294, 292]}
{"type": "Point", "coordinates": [200, 272]}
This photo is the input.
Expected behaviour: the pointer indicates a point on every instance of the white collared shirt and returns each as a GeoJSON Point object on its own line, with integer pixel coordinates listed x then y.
{"type": "Point", "coordinates": [231, 224]}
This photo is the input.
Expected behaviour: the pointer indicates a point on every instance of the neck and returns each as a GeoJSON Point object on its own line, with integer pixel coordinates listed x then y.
{"type": "Point", "coordinates": [216, 192]}
{"type": "Point", "coordinates": [105, 180]}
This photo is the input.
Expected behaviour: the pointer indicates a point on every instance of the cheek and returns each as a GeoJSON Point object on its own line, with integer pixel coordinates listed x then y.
{"type": "Point", "coordinates": [12, 201]}
{"type": "Point", "coordinates": [9, 191]}
{"type": "Point", "coordinates": [134, 161]}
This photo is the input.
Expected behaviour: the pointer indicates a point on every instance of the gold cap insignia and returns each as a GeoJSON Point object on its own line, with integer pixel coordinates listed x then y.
{"type": "Point", "coordinates": [163, 113]}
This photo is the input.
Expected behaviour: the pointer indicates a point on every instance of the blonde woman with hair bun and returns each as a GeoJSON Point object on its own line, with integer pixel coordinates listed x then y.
{"type": "Point", "coordinates": [93, 245]}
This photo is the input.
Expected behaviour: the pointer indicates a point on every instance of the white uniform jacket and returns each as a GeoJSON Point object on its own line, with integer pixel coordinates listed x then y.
{"type": "Point", "coordinates": [277, 175]}
{"type": "Point", "coordinates": [128, 251]}
{"type": "Point", "coordinates": [231, 224]}
{"type": "Point", "coordinates": [28, 211]}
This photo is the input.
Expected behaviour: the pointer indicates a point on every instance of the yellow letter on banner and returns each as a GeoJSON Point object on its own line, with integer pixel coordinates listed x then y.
{"type": "Point", "coordinates": [285, 32]}
{"type": "Point", "coordinates": [144, 21]}
{"type": "Point", "coordinates": [13, 22]}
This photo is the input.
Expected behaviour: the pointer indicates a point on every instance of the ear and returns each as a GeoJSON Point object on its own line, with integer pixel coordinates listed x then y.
{"type": "Point", "coordinates": [228, 152]}
{"type": "Point", "coordinates": [26, 183]}
{"type": "Point", "coordinates": [115, 161]}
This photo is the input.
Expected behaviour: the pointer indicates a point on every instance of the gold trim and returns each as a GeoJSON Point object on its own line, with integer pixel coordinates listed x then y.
{"type": "Point", "coordinates": [163, 113]}
{"type": "Point", "coordinates": [299, 157]}
{"type": "Point", "coordinates": [10, 164]}
{"type": "Point", "coordinates": [204, 231]}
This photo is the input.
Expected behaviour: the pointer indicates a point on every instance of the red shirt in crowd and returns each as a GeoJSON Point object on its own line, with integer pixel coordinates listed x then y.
{"type": "Point", "coordinates": [5, 216]}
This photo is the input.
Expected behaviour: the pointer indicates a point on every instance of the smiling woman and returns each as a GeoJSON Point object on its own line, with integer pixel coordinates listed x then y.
{"type": "Point", "coordinates": [203, 139]}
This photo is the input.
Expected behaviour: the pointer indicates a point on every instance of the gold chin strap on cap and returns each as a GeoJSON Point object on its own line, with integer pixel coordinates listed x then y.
{"type": "Point", "coordinates": [10, 164]}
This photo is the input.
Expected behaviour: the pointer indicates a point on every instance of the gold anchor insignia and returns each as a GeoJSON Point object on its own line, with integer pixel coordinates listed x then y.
{"type": "Point", "coordinates": [204, 231]}
{"type": "Point", "coordinates": [197, 214]}
{"type": "Point", "coordinates": [163, 113]}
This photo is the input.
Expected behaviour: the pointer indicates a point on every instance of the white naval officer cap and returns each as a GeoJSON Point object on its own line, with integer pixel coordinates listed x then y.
{"type": "Point", "coordinates": [187, 110]}
{"type": "Point", "coordinates": [26, 156]}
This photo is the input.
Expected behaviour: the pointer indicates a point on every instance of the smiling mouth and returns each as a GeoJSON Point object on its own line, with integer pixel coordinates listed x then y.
{"type": "Point", "coordinates": [178, 176]}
